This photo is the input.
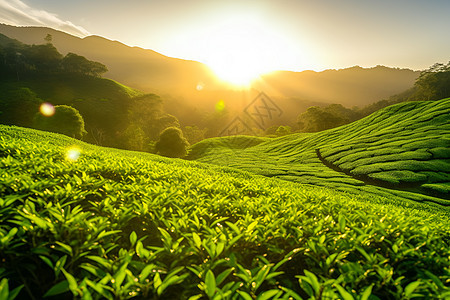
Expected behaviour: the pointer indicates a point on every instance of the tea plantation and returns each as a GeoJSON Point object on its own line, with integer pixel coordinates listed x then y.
{"type": "Point", "coordinates": [86, 222]}
{"type": "Point", "coordinates": [401, 152]}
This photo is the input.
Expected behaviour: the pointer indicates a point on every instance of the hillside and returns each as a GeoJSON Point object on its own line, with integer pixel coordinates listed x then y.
{"type": "Point", "coordinates": [177, 80]}
{"type": "Point", "coordinates": [113, 114]}
{"type": "Point", "coordinates": [140, 68]}
{"type": "Point", "coordinates": [89, 222]}
{"type": "Point", "coordinates": [354, 86]}
{"type": "Point", "coordinates": [102, 102]}
{"type": "Point", "coordinates": [400, 152]}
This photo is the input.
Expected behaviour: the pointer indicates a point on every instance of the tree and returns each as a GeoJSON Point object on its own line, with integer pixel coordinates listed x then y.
{"type": "Point", "coordinates": [283, 130]}
{"type": "Point", "coordinates": [317, 119]}
{"type": "Point", "coordinates": [166, 121]}
{"type": "Point", "coordinates": [66, 120]}
{"type": "Point", "coordinates": [45, 58]}
{"type": "Point", "coordinates": [434, 83]}
{"type": "Point", "coordinates": [194, 134]}
{"type": "Point", "coordinates": [73, 63]}
{"type": "Point", "coordinates": [147, 113]}
{"type": "Point", "coordinates": [134, 138]}
{"type": "Point", "coordinates": [48, 38]}
{"type": "Point", "coordinates": [19, 106]}
{"type": "Point", "coordinates": [172, 143]}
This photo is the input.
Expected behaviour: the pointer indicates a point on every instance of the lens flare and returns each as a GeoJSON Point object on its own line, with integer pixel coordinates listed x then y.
{"type": "Point", "coordinates": [200, 86]}
{"type": "Point", "coordinates": [220, 106]}
{"type": "Point", "coordinates": [47, 109]}
{"type": "Point", "coordinates": [73, 153]}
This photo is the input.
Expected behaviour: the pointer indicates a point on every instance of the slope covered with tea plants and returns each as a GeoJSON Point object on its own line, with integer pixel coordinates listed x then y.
{"type": "Point", "coordinates": [401, 152]}
{"type": "Point", "coordinates": [83, 221]}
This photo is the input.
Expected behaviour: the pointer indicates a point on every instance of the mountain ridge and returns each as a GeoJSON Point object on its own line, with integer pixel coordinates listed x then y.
{"type": "Point", "coordinates": [190, 89]}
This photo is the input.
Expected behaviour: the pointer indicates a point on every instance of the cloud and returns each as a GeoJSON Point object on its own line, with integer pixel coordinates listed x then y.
{"type": "Point", "coordinates": [15, 12]}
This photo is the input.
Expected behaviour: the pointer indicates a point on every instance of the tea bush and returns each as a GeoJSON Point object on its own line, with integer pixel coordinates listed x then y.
{"type": "Point", "coordinates": [81, 221]}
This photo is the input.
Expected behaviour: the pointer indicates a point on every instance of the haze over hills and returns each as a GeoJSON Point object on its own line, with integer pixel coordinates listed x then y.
{"type": "Point", "coordinates": [177, 80]}
{"type": "Point", "coordinates": [353, 86]}
{"type": "Point", "coordinates": [137, 67]}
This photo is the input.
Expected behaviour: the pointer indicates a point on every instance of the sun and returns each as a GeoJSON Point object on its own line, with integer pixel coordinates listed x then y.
{"type": "Point", "coordinates": [240, 51]}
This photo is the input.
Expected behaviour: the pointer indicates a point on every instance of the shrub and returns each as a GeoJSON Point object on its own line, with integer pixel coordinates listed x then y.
{"type": "Point", "coordinates": [172, 143]}
{"type": "Point", "coordinates": [66, 120]}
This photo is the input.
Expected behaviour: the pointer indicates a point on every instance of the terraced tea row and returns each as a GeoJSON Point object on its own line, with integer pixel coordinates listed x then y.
{"type": "Point", "coordinates": [401, 152]}
{"type": "Point", "coordinates": [410, 150]}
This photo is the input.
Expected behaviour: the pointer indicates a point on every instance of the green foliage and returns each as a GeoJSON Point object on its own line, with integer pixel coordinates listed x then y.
{"type": "Point", "coordinates": [321, 118]}
{"type": "Point", "coordinates": [146, 121]}
{"type": "Point", "coordinates": [194, 134]}
{"type": "Point", "coordinates": [42, 58]}
{"type": "Point", "coordinates": [119, 225]}
{"type": "Point", "coordinates": [18, 106]}
{"type": "Point", "coordinates": [434, 82]}
{"type": "Point", "coordinates": [20, 60]}
{"type": "Point", "coordinates": [134, 138]}
{"type": "Point", "coordinates": [172, 143]}
{"type": "Point", "coordinates": [34, 74]}
{"type": "Point", "coordinates": [74, 63]}
{"type": "Point", "coordinates": [283, 130]}
{"type": "Point", "coordinates": [66, 120]}
{"type": "Point", "coordinates": [400, 153]}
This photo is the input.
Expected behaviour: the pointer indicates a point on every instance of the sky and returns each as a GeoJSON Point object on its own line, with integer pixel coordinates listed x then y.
{"type": "Point", "coordinates": [258, 35]}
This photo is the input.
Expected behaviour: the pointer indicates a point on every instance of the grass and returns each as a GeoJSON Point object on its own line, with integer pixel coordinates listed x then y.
{"type": "Point", "coordinates": [401, 152]}
{"type": "Point", "coordinates": [81, 221]}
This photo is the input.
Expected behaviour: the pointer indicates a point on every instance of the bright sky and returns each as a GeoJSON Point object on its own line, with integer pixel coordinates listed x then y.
{"type": "Point", "coordinates": [253, 36]}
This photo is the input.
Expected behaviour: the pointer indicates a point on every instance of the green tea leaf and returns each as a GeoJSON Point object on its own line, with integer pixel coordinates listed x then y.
{"type": "Point", "coordinates": [73, 285]}
{"type": "Point", "coordinates": [244, 295]}
{"type": "Point", "coordinates": [411, 287]}
{"type": "Point", "coordinates": [4, 289]}
{"type": "Point", "coordinates": [313, 281]}
{"type": "Point", "coordinates": [345, 295]}
{"type": "Point", "coordinates": [133, 238]}
{"type": "Point", "coordinates": [270, 294]}
{"type": "Point", "coordinates": [210, 282]}
{"type": "Point", "coordinates": [197, 240]}
{"type": "Point", "coordinates": [59, 288]}
{"type": "Point", "coordinates": [66, 248]}
{"type": "Point", "coordinates": [367, 293]}
{"type": "Point", "coordinates": [222, 276]}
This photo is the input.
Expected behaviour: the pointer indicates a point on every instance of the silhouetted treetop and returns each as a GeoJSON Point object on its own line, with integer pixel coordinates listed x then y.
{"type": "Point", "coordinates": [434, 82]}
{"type": "Point", "coordinates": [66, 120]}
{"type": "Point", "coordinates": [172, 143]}
{"type": "Point", "coordinates": [73, 63]}
{"type": "Point", "coordinates": [17, 59]}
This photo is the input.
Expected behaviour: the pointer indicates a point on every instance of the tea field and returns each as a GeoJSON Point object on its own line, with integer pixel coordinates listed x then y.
{"type": "Point", "coordinates": [401, 152]}
{"type": "Point", "coordinates": [86, 222]}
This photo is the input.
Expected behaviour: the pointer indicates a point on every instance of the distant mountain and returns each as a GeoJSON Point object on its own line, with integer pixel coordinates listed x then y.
{"type": "Point", "coordinates": [352, 86]}
{"type": "Point", "coordinates": [176, 80]}
{"type": "Point", "coordinates": [143, 69]}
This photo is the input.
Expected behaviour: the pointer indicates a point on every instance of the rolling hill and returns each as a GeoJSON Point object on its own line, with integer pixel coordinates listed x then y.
{"type": "Point", "coordinates": [400, 152]}
{"type": "Point", "coordinates": [112, 112]}
{"type": "Point", "coordinates": [103, 103]}
{"type": "Point", "coordinates": [88, 222]}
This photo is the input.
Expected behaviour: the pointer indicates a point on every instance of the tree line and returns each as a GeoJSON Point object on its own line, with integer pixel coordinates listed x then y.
{"type": "Point", "coordinates": [18, 60]}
